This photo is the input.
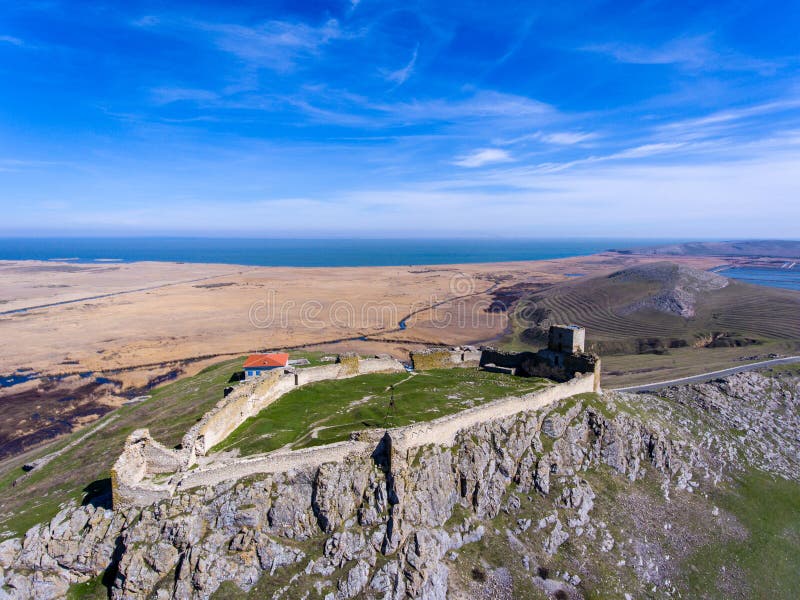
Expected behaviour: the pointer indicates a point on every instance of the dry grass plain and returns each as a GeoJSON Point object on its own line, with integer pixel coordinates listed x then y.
{"type": "Point", "coordinates": [136, 324]}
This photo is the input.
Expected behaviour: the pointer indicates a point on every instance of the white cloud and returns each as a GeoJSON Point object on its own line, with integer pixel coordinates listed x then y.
{"type": "Point", "coordinates": [400, 76]}
{"type": "Point", "coordinates": [166, 95]}
{"type": "Point", "coordinates": [482, 105]}
{"type": "Point", "coordinates": [9, 39]}
{"type": "Point", "coordinates": [557, 138]}
{"type": "Point", "coordinates": [694, 52]}
{"type": "Point", "coordinates": [484, 156]}
{"type": "Point", "coordinates": [717, 121]}
{"type": "Point", "coordinates": [146, 21]}
{"type": "Point", "coordinates": [275, 44]}
{"type": "Point", "coordinates": [620, 200]}
{"type": "Point", "coordinates": [643, 151]}
{"type": "Point", "coordinates": [567, 138]}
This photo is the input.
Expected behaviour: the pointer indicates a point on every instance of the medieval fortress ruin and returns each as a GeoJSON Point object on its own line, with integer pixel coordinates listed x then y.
{"type": "Point", "coordinates": [147, 471]}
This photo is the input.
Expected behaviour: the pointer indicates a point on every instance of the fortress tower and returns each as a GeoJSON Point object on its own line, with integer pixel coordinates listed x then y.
{"type": "Point", "coordinates": [566, 338]}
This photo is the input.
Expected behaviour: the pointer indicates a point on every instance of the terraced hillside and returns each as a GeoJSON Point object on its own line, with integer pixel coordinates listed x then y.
{"type": "Point", "coordinates": [663, 309]}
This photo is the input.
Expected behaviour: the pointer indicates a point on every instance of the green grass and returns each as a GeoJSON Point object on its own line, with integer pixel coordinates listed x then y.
{"type": "Point", "coordinates": [781, 370]}
{"type": "Point", "coordinates": [769, 558]}
{"type": "Point", "coordinates": [314, 357]}
{"type": "Point", "coordinates": [88, 590]}
{"type": "Point", "coordinates": [328, 411]}
{"type": "Point", "coordinates": [169, 413]}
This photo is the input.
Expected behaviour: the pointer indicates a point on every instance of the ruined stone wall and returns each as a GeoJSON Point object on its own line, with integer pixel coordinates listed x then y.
{"type": "Point", "coordinates": [471, 358]}
{"type": "Point", "coordinates": [314, 374]}
{"type": "Point", "coordinates": [132, 466]}
{"type": "Point", "coordinates": [349, 364]}
{"type": "Point", "coordinates": [144, 457]}
{"type": "Point", "coordinates": [558, 366]}
{"type": "Point", "coordinates": [444, 358]}
{"type": "Point", "coordinates": [130, 486]}
{"type": "Point", "coordinates": [277, 462]}
{"type": "Point", "coordinates": [510, 360]}
{"type": "Point", "coordinates": [159, 458]}
{"type": "Point", "coordinates": [584, 363]}
{"type": "Point", "coordinates": [440, 431]}
{"type": "Point", "coordinates": [434, 358]}
{"type": "Point", "coordinates": [240, 405]}
{"type": "Point", "coordinates": [379, 365]}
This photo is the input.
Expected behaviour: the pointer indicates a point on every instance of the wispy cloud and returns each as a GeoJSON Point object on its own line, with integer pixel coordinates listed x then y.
{"type": "Point", "coordinates": [484, 107]}
{"type": "Point", "coordinates": [276, 45]}
{"type": "Point", "coordinates": [558, 138]}
{"type": "Point", "coordinates": [694, 52]}
{"type": "Point", "coordinates": [146, 21]}
{"type": "Point", "coordinates": [636, 152]}
{"type": "Point", "coordinates": [167, 95]}
{"type": "Point", "coordinates": [483, 104]}
{"type": "Point", "coordinates": [400, 76]}
{"type": "Point", "coordinates": [482, 157]}
{"type": "Point", "coordinates": [567, 138]}
{"type": "Point", "coordinates": [700, 125]}
{"type": "Point", "coordinates": [10, 39]}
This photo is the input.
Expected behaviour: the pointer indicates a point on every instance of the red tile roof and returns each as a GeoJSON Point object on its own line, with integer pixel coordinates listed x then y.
{"type": "Point", "coordinates": [276, 359]}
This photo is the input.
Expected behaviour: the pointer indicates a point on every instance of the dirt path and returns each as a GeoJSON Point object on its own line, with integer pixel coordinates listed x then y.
{"type": "Point", "coordinates": [120, 293]}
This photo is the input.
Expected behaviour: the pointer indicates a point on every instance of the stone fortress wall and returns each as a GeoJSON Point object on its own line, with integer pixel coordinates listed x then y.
{"type": "Point", "coordinates": [444, 358]}
{"type": "Point", "coordinates": [143, 457]}
{"type": "Point", "coordinates": [147, 471]}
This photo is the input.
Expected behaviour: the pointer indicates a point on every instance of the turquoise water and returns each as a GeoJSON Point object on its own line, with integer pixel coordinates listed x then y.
{"type": "Point", "coordinates": [305, 252]}
{"type": "Point", "coordinates": [782, 278]}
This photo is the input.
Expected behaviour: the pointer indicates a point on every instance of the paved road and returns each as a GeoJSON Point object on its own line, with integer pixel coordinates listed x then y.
{"type": "Point", "coordinates": [648, 387]}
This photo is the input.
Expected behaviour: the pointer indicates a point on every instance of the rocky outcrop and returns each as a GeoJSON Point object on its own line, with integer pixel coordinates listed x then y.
{"type": "Point", "coordinates": [393, 525]}
{"type": "Point", "coordinates": [760, 416]}
{"type": "Point", "coordinates": [680, 287]}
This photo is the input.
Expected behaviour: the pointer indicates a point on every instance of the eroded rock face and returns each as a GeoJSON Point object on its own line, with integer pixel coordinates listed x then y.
{"type": "Point", "coordinates": [378, 528]}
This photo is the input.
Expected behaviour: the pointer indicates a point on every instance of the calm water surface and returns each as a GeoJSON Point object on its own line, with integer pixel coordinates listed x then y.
{"type": "Point", "coordinates": [782, 278]}
{"type": "Point", "coordinates": [304, 252]}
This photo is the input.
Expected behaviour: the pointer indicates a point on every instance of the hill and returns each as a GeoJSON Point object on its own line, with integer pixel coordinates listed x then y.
{"type": "Point", "coordinates": [691, 494]}
{"type": "Point", "coordinates": [665, 309]}
{"type": "Point", "coordinates": [745, 248]}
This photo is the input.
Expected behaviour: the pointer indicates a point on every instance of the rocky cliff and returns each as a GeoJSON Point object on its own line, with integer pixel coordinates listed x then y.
{"type": "Point", "coordinates": [611, 495]}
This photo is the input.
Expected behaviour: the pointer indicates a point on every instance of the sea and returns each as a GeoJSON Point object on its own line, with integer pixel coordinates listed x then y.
{"type": "Point", "coordinates": [334, 252]}
{"type": "Point", "coordinates": [340, 252]}
{"type": "Point", "coordinates": [787, 278]}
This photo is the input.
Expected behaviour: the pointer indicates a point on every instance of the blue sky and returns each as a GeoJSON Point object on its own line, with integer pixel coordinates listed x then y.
{"type": "Point", "coordinates": [536, 119]}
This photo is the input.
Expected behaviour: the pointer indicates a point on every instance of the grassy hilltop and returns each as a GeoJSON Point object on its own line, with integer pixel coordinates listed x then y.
{"type": "Point", "coordinates": [328, 411]}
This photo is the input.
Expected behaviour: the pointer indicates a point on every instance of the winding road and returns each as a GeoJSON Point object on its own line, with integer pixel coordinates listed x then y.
{"type": "Point", "coordinates": [703, 377]}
